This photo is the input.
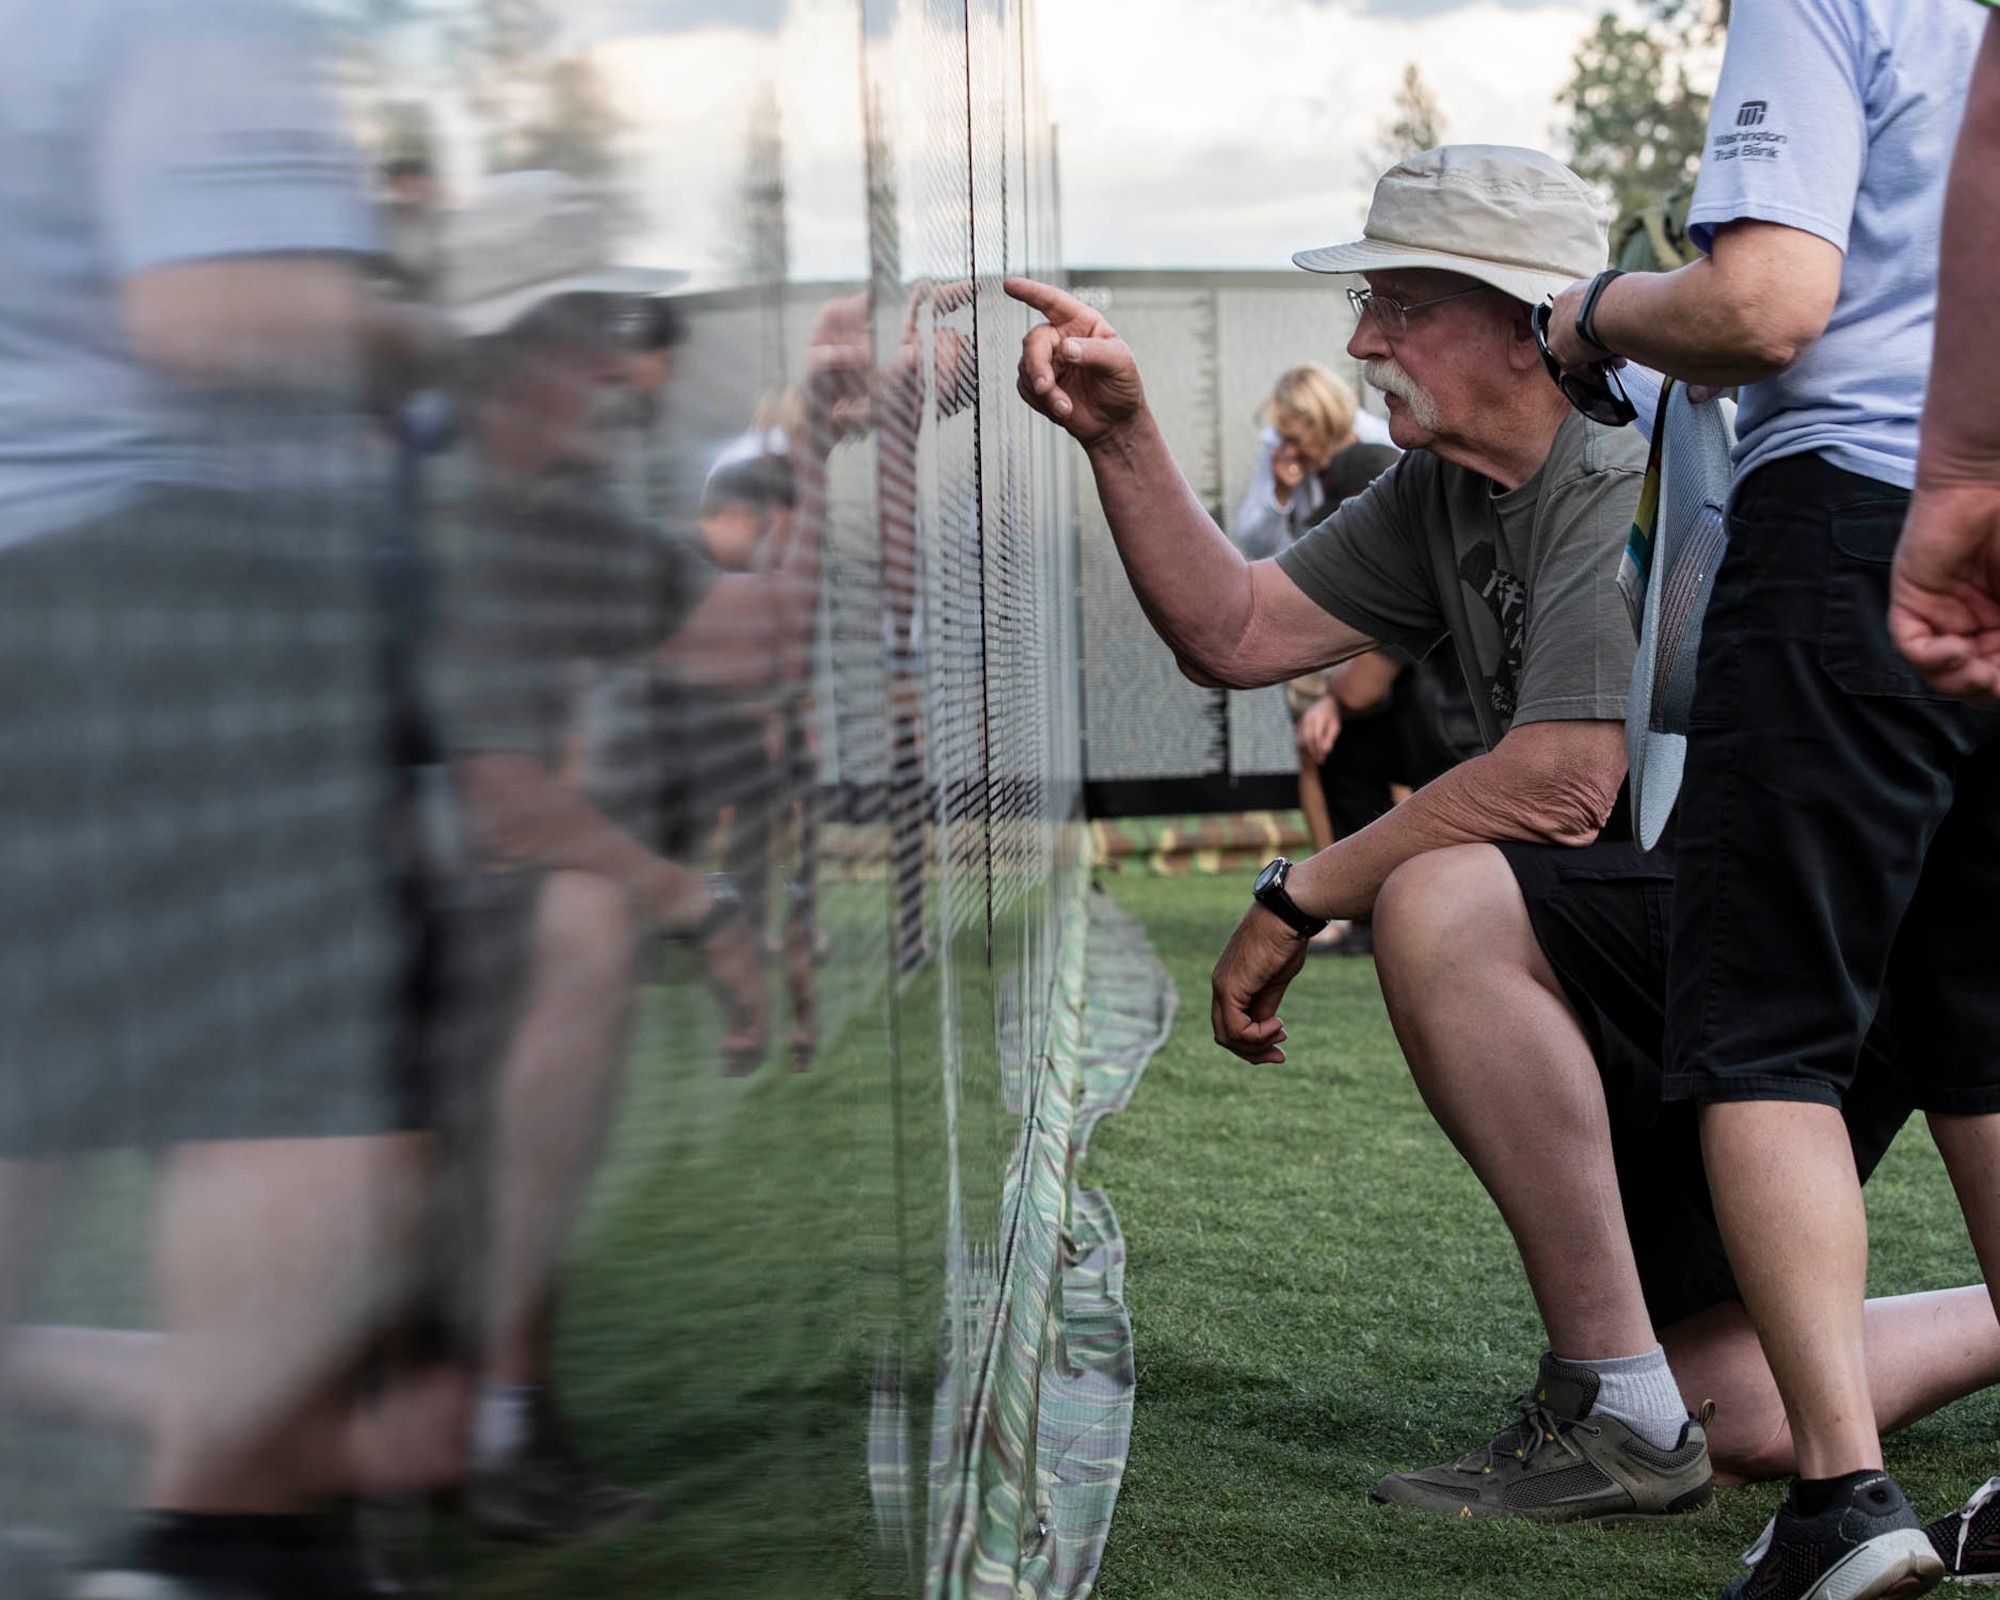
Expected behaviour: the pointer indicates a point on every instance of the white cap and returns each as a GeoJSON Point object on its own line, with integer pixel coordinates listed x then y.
{"type": "Point", "coordinates": [529, 237]}
{"type": "Point", "coordinates": [1516, 219]}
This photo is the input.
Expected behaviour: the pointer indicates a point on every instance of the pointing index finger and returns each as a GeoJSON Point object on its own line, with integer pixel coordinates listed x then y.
{"type": "Point", "coordinates": [1055, 304]}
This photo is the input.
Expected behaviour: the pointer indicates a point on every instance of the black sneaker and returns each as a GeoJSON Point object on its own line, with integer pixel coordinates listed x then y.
{"type": "Point", "coordinates": [1864, 1546]}
{"type": "Point", "coordinates": [550, 1494]}
{"type": "Point", "coordinates": [1968, 1541]}
{"type": "Point", "coordinates": [171, 1557]}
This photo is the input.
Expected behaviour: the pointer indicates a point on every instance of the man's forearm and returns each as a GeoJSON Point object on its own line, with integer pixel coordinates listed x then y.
{"type": "Point", "coordinates": [1191, 582]}
{"type": "Point", "coordinates": [1961, 429]}
{"type": "Point", "coordinates": [1490, 798]}
{"type": "Point", "coordinates": [525, 816]}
{"type": "Point", "coordinates": [1740, 315]}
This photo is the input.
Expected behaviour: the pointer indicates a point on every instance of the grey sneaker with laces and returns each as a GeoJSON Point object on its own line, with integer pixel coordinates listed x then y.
{"type": "Point", "coordinates": [1564, 1463]}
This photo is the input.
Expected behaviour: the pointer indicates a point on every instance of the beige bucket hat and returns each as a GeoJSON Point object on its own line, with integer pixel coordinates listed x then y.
{"type": "Point", "coordinates": [529, 237]}
{"type": "Point", "coordinates": [1514, 218]}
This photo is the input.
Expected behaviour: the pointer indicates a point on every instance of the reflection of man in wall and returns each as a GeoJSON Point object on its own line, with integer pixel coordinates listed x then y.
{"type": "Point", "coordinates": [1500, 530]}
{"type": "Point", "coordinates": [553, 579]}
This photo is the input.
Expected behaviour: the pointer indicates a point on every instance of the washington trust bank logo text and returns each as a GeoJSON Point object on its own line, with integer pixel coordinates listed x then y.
{"type": "Point", "coordinates": [1751, 141]}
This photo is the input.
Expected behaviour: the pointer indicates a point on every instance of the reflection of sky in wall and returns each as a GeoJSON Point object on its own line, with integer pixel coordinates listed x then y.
{"type": "Point", "coordinates": [1193, 132]}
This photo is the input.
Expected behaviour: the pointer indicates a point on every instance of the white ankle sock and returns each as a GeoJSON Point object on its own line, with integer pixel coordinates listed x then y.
{"type": "Point", "coordinates": [1641, 1393]}
{"type": "Point", "coordinates": [500, 1423]}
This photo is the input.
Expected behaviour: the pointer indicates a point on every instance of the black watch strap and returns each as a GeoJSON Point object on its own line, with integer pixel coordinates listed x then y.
{"type": "Point", "coordinates": [1586, 314]}
{"type": "Point", "coordinates": [1270, 893]}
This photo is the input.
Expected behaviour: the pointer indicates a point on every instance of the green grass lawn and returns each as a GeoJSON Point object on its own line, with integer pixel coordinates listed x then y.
{"type": "Point", "coordinates": [1319, 1289]}
{"type": "Point", "coordinates": [1321, 1292]}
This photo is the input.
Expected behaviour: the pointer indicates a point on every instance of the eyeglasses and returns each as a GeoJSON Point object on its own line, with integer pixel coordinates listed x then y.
{"type": "Point", "coordinates": [1393, 316]}
{"type": "Point", "coordinates": [1597, 391]}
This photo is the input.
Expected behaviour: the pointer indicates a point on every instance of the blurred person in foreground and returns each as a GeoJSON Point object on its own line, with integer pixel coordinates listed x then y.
{"type": "Point", "coordinates": [1501, 530]}
{"type": "Point", "coordinates": [1839, 847]}
{"type": "Point", "coordinates": [1945, 590]}
{"type": "Point", "coordinates": [204, 950]}
{"type": "Point", "coordinates": [552, 580]}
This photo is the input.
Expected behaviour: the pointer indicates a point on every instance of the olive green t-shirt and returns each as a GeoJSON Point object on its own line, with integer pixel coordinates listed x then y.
{"type": "Point", "coordinates": [1522, 581]}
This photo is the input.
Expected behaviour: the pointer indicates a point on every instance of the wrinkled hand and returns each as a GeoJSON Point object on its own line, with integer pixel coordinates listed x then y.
{"type": "Point", "coordinates": [1261, 958]}
{"type": "Point", "coordinates": [1944, 593]}
{"type": "Point", "coordinates": [1565, 343]}
{"type": "Point", "coordinates": [1075, 369]}
{"type": "Point", "coordinates": [734, 961]}
{"type": "Point", "coordinates": [1318, 729]}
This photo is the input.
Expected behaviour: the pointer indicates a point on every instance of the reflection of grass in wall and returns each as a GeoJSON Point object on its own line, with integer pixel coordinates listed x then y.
{"type": "Point", "coordinates": [1321, 1292]}
{"type": "Point", "coordinates": [731, 1290]}
{"type": "Point", "coordinates": [734, 1290]}
{"type": "Point", "coordinates": [736, 1281]}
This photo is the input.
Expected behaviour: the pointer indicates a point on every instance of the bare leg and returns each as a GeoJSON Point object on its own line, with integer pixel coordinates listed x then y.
{"type": "Point", "coordinates": [277, 1260]}
{"type": "Point", "coordinates": [410, 1437]}
{"type": "Point", "coordinates": [1319, 823]}
{"type": "Point", "coordinates": [95, 1377]}
{"type": "Point", "coordinates": [29, 1191]}
{"type": "Point", "coordinates": [1789, 1206]}
{"type": "Point", "coordinates": [1924, 1351]}
{"type": "Point", "coordinates": [1501, 1062]}
{"type": "Point", "coordinates": [1312, 801]}
{"type": "Point", "coordinates": [556, 1085]}
{"type": "Point", "coordinates": [1971, 1150]}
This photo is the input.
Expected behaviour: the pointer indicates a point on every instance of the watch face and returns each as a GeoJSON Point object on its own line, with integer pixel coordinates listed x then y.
{"type": "Point", "coordinates": [1273, 873]}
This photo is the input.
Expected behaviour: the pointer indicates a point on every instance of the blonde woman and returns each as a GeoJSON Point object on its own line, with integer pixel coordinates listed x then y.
{"type": "Point", "coordinates": [1319, 447]}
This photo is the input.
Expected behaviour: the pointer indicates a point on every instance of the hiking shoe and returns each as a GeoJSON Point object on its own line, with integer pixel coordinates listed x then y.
{"type": "Point", "coordinates": [534, 1500]}
{"type": "Point", "coordinates": [1562, 1463]}
{"type": "Point", "coordinates": [1865, 1545]}
{"type": "Point", "coordinates": [1968, 1541]}
{"type": "Point", "coordinates": [549, 1494]}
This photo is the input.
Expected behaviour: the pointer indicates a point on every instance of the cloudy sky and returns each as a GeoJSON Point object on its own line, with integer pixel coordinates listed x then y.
{"type": "Point", "coordinates": [1229, 132]}
{"type": "Point", "coordinates": [1193, 132]}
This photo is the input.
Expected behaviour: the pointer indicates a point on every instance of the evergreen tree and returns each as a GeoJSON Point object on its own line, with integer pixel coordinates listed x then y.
{"type": "Point", "coordinates": [1638, 118]}
{"type": "Point", "coordinates": [1415, 123]}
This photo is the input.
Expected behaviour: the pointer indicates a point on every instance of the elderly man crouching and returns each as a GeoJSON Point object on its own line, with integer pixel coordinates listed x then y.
{"type": "Point", "coordinates": [1499, 530]}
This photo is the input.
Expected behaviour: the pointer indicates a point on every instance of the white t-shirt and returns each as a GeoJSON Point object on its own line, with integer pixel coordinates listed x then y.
{"type": "Point", "coordinates": [143, 134]}
{"type": "Point", "coordinates": [1838, 117]}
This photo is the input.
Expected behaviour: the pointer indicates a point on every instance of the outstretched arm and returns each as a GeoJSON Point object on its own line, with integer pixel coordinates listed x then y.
{"type": "Point", "coordinates": [1230, 622]}
{"type": "Point", "coordinates": [1743, 313]}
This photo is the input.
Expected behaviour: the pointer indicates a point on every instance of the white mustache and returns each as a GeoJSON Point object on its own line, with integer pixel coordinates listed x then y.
{"type": "Point", "coordinates": [1387, 374]}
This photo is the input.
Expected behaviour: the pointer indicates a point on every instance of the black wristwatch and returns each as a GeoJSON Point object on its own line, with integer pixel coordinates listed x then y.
{"type": "Point", "coordinates": [725, 907]}
{"type": "Point", "coordinates": [1269, 892]}
{"type": "Point", "coordinates": [1586, 314]}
